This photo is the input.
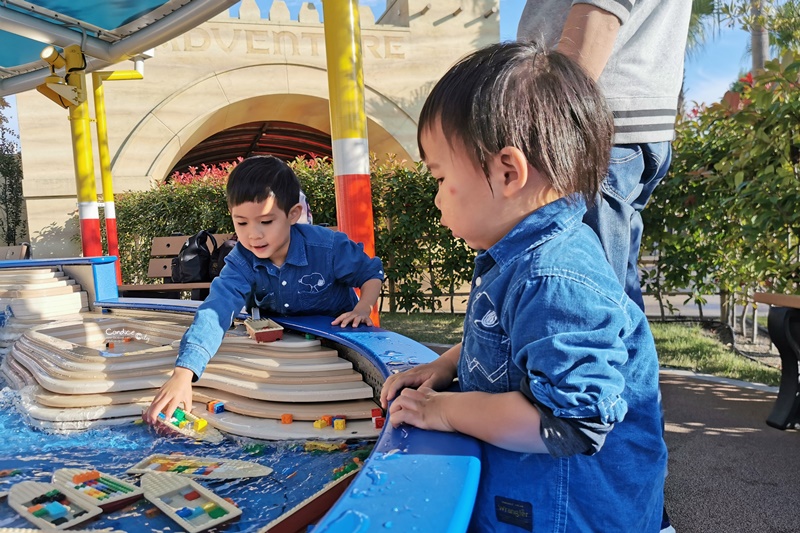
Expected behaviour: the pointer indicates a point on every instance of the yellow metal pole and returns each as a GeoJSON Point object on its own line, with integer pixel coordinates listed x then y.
{"type": "Point", "coordinates": [349, 123]}
{"type": "Point", "coordinates": [82, 155]}
{"type": "Point", "coordinates": [109, 210]}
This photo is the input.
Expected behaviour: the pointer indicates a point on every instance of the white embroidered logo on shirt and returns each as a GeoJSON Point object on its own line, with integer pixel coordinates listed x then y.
{"type": "Point", "coordinates": [474, 364]}
{"type": "Point", "coordinates": [315, 282]}
{"type": "Point", "coordinates": [489, 319]}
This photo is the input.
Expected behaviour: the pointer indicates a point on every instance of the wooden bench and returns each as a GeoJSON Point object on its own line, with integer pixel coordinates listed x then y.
{"type": "Point", "coordinates": [783, 324]}
{"type": "Point", "coordinates": [162, 251]}
{"type": "Point", "coordinates": [13, 253]}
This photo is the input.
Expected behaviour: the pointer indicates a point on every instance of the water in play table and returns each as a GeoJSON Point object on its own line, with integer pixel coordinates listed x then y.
{"type": "Point", "coordinates": [32, 454]}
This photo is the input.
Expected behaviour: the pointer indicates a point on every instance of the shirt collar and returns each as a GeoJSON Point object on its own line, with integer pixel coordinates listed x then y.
{"type": "Point", "coordinates": [297, 248]}
{"type": "Point", "coordinates": [536, 229]}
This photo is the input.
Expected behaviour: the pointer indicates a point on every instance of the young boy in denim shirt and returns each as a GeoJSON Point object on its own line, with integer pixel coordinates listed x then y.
{"type": "Point", "coordinates": [557, 368]}
{"type": "Point", "coordinates": [279, 266]}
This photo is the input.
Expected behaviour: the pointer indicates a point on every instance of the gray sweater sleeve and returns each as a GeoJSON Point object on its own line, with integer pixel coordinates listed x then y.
{"type": "Point", "coordinates": [643, 76]}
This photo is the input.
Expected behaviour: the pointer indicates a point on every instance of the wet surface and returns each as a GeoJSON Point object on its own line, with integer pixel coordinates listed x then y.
{"type": "Point", "coordinates": [35, 454]}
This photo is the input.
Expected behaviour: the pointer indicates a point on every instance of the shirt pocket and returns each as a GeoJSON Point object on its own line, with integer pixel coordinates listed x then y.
{"type": "Point", "coordinates": [485, 362]}
{"type": "Point", "coordinates": [321, 300]}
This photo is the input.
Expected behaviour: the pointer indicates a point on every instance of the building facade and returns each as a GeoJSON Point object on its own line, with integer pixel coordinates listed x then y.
{"type": "Point", "coordinates": [261, 66]}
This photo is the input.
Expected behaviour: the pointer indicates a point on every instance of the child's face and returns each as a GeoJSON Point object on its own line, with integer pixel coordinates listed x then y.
{"type": "Point", "coordinates": [469, 209]}
{"type": "Point", "coordinates": [264, 228]}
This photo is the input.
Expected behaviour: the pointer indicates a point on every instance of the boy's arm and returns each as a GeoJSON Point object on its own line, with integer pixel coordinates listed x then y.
{"type": "Point", "coordinates": [506, 420]}
{"type": "Point", "coordinates": [370, 291]}
{"type": "Point", "coordinates": [588, 37]}
{"type": "Point", "coordinates": [360, 314]}
{"type": "Point", "coordinates": [201, 341]}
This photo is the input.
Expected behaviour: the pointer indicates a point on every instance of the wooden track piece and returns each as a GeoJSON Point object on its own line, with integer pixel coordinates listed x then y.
{"type": "Point", "coordinates": [268, 429]}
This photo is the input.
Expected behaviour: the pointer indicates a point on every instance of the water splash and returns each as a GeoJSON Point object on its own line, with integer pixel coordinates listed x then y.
{"type": "Point", "coordinates": [378, 477]}
{"type": "Point", "coordinates": [349, 521]}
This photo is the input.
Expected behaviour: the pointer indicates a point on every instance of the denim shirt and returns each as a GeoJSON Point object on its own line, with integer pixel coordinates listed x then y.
{"type": "Point", "coordinates": [546, 312]}
{"type": "Point", "coordinates": [317, 278]}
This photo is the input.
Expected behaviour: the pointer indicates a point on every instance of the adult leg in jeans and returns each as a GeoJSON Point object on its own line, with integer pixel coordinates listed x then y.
{"type": "Point", "coordinates": [634, 172]}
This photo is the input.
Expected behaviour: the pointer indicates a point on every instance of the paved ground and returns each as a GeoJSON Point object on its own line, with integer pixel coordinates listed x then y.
{"type": "Point", "coordinates": [728, 471]}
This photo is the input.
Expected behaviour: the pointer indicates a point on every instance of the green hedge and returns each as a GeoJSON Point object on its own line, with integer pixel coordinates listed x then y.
{"type": "Point", "coordinates": [726, 218]}
{"type": "Point", "coordinates": [422, 260]}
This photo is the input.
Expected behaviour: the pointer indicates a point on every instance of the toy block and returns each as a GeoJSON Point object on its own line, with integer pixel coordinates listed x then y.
{"type": "Point", "coordinates": [377, 412]}
{"type": "Point", "coordinates": [209, 506]}
{"type": "Point", "coordinates": [265, 330]}
{"type": "Point", "coordinates": [191, 495]}
{"type": "Point", "coordinates": [319, 424]}
{"type": "Point", "coordinates": [287, 418]}
{"type": "Point", "coordinates": [56, 510]}
{"type": "Point", "coordinates": [215, 406]}
{"type": "Point", "coordinates": [339, 423]}
{"type": "Point", "coordinates": [216, 512]}
{"type": "Point", "coordinates": [85, 476]}
{"type": "Point", "coordinates": [328, 419]}
{"type": "Point", "coordinates": [379, 421]}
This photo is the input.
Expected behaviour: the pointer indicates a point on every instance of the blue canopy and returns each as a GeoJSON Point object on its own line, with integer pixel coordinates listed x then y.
{"type": "Point", "coordinates": [109, 31]}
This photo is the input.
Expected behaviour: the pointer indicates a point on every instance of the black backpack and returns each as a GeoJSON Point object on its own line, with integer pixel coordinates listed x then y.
{"type": "Point", "coordinates": [218, 256]}
{"type": "Point", "coordinates": [193, 262]}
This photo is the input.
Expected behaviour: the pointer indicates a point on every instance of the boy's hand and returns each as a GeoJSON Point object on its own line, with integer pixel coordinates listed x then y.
{"type": "Point", "coordinates": [423, 408]}
{"type": "Point", "coordinates": [176, 391]}
{"type": "Point", "coordinates": [436, 375]}
{"type": "Point", "coordinates": [356, 316]}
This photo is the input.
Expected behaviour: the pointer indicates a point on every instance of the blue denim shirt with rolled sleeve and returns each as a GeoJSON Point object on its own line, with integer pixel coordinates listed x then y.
{"type": "Point", "coordinates": [321, 269]}
{"type": "Point", "coordinates": [547, 317]}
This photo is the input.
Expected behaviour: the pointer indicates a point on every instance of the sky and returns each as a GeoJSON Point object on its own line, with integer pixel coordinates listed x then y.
{"type": "Point", "coordinates": [709, 70]}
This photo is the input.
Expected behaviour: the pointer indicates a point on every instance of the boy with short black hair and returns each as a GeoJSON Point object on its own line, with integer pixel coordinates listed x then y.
{"type": "Point", "coordinates": [557, 368]}
{"type": "Point", "coordinates": [278, 266]}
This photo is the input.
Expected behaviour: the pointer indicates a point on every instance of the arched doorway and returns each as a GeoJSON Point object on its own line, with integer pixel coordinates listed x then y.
{"type": "Point", "coordinates": [283, 139]}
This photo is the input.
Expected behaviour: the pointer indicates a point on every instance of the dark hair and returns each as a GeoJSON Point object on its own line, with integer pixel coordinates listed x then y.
{"type": "Point", "coordinates": [520, 95]}
{"type": "Point", "coordinates": [257, 178]}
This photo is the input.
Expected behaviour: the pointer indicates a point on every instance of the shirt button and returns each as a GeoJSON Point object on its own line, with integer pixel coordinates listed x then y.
{"type": "Point", "coordinates": [286, 305]}
{"type": "Point", "coordinates": [283, 283]}
{"type": "Point", "coordinates": [478, 281]}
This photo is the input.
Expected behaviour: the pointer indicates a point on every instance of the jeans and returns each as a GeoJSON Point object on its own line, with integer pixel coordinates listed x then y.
{"type": "Point", "coordinates": [633, 174]}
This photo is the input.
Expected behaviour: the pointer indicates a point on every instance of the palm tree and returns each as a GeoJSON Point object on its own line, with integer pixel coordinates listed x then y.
{"type": "Point", "coordinates": [759, 37]}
